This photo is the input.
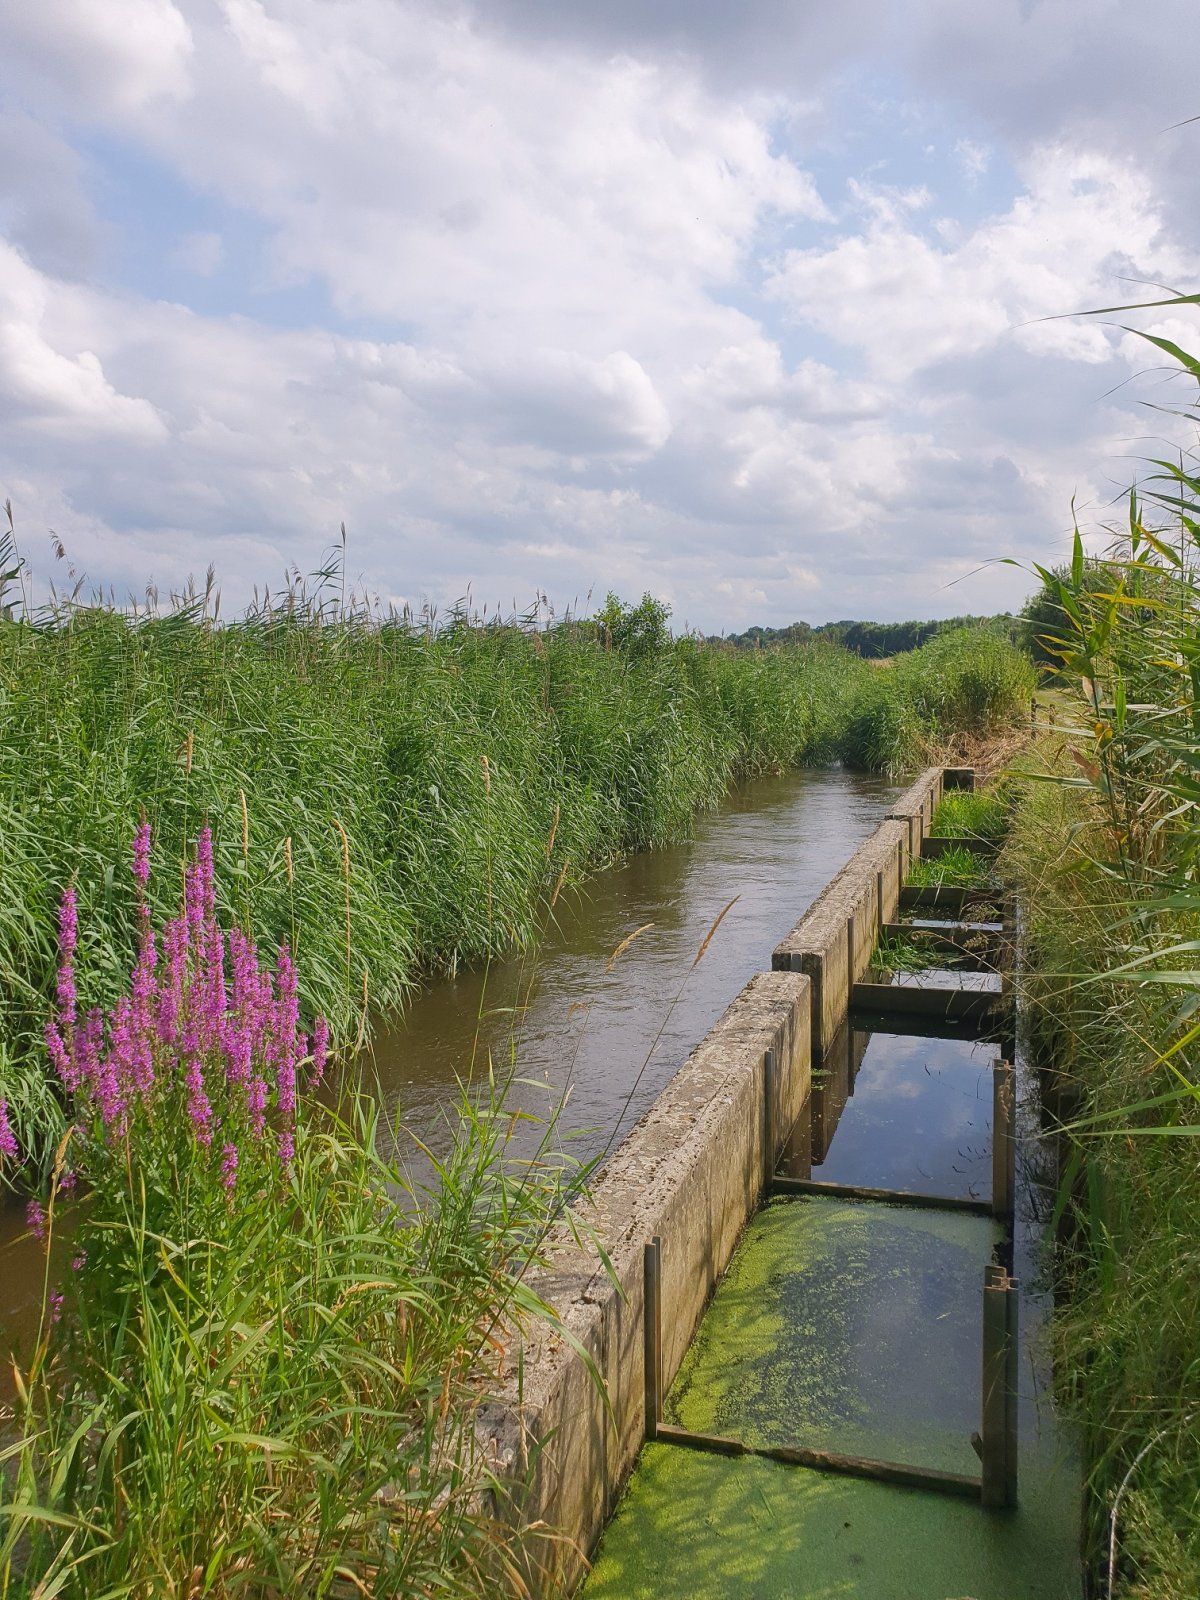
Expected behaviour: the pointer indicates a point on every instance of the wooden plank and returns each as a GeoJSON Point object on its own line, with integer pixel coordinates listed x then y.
{"type": "Point", "coordinates": [1003, 1138]}
{"type": "Point", "coordinates": [652, 1330]}
{"type": "Point", "coordinates": [936, 844]}
{"type": "Point", "coordinates": [998, 1456]}
{"type": "Point", "coordinates": [982, 945]}
{"type": "Point", "coordinates": [956, 1005]}
{"type": "Point", "coordinates": [949, 898]}
{"type": "Point", "coordinates": [887, 1197]}
{"type": "Point", "coordinates": [915, 1025]}
{"type": "Point", "coordinates": [955, 1483]}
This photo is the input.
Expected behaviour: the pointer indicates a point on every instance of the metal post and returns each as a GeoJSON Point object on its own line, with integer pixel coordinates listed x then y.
{"type": "Point", "coordinates": [998, 1432]}
{"type": "Point", "coordinates": [770, 1117]}
{"type": "Point", "coordinates": [652, 1320]}
{"type": "Point", "coordinates": [1004, 1143]}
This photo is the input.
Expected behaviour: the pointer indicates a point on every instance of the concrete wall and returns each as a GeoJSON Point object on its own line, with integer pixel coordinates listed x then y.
{"type": "Point", "coordinates": [915, 807]}
{"type": "Point", "coordinates": [833, 942]}
{"type": "Point", "coordinates": [692, 1173]}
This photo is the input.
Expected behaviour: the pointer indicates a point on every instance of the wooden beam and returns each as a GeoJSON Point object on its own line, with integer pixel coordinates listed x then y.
{"type": "Point", "coordinates": [652, 1329]}
{"type": "Point", "coordinates": [887, 1197]}
{"type": "Point", "coordinates": [955, 1483]}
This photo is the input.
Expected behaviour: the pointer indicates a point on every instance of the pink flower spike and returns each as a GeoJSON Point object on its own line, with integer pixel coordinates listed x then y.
{"type": "Point", "coordinates": [35, 1216]}
{"type": "Point", "coordinates": [229, 1166]}
{"type": "Point", "coordinates": [141, 856]}
{"type": "Point", "coordinates": [9, 1148]}
{"type": "Point", "coordinates": [320, 1050]}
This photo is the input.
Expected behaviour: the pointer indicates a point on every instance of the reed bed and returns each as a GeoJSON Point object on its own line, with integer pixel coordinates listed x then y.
{"type": "Point", "coordinates": [1106, 845]}
{"type": "Point", "coordinates": [392, 795]}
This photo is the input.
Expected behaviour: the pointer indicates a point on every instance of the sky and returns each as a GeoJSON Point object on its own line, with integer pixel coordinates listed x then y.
{"type": "Point", "coordinates": [770, 309]}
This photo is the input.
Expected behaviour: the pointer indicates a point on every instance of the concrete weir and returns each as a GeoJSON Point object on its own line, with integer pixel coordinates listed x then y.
{"type": "Point", "coordinates": [691, 1174]}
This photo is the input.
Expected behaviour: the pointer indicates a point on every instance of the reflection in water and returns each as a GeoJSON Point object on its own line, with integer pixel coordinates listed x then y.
{"type": "Point", "coordinates": [909, 1112]}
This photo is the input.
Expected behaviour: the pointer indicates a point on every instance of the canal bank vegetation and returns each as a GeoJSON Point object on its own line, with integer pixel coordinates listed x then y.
{"type": "Point", "coordinates": [392, 795]}
{"type": "Point", "coordinates": [263, 1349]}
{"type": "Point", "coordinates": [1106, 848]}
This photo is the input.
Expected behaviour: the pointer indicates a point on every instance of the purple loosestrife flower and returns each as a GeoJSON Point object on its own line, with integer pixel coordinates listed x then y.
{"type": "Point", "coordinates": [287, 1148]}
{"type": "Point", "coordinates": [207, 873]}
{"type": "Point", "coordinates": [320, 1050]}
{"type": "Point", "coordinates": [79, 1262]}
{"type": "Point", "coordinates": [68, 939]}
{"type": "Point", "coordinates": [60, 1057]}
{"type": "Point", "coordinates": [256, 1102]}
{"type": "Point", "coordinates": [229, 1166]}
{"type": "Point", "coordinates": [171, 980]}
{"type": "Point", "coordinates": [199, 1107]}
{"type": "Point", "coordinates": [287, 1019]}
{"type": "Point", "coordinates": [9, 1149]}
{"type": "Point", "coordinates": [68, 1182]}
{"type": "Point", "coordinates": [141, 860]}
{"type": "Point", "coordinates": [56, 1304]}
{"type": "Point", "coordinates": [35, 1216]}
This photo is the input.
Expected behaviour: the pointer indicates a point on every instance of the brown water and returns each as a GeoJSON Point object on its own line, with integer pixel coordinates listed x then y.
{"type": "Point", "coordinates": [606, 1040]}
{"type": "Point", "coordinates": [609, 1040]}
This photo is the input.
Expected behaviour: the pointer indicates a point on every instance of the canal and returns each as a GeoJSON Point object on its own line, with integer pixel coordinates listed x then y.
{"type": "Point", "coordinates": [601, 1039]}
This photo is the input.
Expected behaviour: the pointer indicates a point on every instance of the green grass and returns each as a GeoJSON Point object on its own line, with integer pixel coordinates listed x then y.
{"type": "Point", "coordinates": [904, 954]}
{"type": "Point", "coordinates": [391, 796]}
{"type": "Point", "coordinates": [971, 814]}
{"type": "Point", "coordinates": [958, 867]}
{"type": "Point", "coordinates": [1106, 847]}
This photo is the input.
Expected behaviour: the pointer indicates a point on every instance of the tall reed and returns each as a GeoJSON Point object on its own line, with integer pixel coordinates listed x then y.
{"type": "Point", "coordinates": [392, 795]}
{"type": "Point", "coordinates": [1106, 844]}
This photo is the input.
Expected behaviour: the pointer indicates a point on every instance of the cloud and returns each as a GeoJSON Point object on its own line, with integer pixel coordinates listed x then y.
{"type": "Point", "coordinates": [907, 301]}
{"type": "Point", "coordinates": [113, 59]}
{"type": "Point", "coordinates": [584, 296]}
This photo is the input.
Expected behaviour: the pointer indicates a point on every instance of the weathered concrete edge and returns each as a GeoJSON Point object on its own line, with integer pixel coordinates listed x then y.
{"type": "Point", "coordinates": [832, 943]}
{"type": "Point", "coordinates": [915, 807]}
{"type": "Point", "coordinates": [691, 1173]}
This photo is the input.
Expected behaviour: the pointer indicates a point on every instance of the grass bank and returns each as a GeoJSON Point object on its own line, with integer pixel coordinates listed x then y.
{"type": "Point", "coordinates": [389, 796]}
{"type": "Point", "coordinates": [1106, 845]}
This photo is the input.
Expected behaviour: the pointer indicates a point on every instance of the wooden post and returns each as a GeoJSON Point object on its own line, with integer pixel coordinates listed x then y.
{"type": "Point", "coordinates": [851, 975]}
{"type": "Point", "coordinates": [879, 918]}
{"type": "Point", "coordinates": [1004, 1143]}
{"type": "Point", "coordinates": [770, 1117]}
{"type": "Point", "coordinates": [652, 1320]}
{"type": "Point", "coordinates": [998, 1431]}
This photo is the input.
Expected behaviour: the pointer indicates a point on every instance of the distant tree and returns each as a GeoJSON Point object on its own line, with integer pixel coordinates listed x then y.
{"type": "Point", "coordinates": [634, 630]}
